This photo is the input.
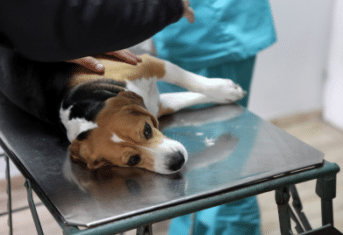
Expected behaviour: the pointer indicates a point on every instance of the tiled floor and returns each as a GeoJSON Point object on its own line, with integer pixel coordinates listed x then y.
{"type": "Point", "coordinates": [309, 128]}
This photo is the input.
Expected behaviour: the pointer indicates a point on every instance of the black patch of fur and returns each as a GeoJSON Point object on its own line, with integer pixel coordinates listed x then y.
{"type": "Point", "coordinates": [83, 135]}
{"type": "Point", "coordinates": [88, 98]}
{"type": "Point", "coordinates": [86, 109]}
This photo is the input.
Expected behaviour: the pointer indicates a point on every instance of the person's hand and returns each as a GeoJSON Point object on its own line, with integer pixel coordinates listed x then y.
{"type": "Point", "coordinates": [188, 11]}
{"type": "Point", "coordinates": [95, 65]}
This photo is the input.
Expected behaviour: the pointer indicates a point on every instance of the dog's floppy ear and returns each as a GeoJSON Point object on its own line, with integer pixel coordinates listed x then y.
{"type": "Point", "coordinates": [129, 100]}
{"type": "Point", "coordinates": [126, 98]}
{"type": "Point", "coordinates": [136, 103]}
{"type": "Point", "coordinates": [139, 106]}
{"type": "Point", "coordinates": [139, 109]}
{"type": "Point", "coordinates": [81, 152]}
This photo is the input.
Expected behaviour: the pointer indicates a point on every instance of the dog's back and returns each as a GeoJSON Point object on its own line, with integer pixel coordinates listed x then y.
{"type": "Point", "coordinates": [119, 71]}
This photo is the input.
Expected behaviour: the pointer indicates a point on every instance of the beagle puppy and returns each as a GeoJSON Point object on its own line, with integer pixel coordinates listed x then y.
{"type": "Point", "coordinates": [111, 118]}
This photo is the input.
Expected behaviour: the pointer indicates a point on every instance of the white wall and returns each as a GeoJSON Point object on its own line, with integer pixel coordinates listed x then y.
{"type": "Point", "coordinates": [288, 76]}
{"type": "Point", "coordinates": [333, 95]}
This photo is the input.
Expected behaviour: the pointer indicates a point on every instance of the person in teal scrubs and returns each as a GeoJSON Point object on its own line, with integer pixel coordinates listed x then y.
{"type": "Point", "coordinates": [223, 43]}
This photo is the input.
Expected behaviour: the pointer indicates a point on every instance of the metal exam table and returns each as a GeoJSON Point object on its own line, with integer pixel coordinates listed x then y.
{"type": "Point", "coordinates": [233, 154]}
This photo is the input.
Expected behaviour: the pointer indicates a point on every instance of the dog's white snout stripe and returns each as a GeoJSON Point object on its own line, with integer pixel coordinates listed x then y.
{"type": "Point", "coordinates": [116, 139]}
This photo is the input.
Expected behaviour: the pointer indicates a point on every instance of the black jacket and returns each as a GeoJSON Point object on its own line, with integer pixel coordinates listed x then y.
{"type": "Point", "coordinates": [36, 35]}
{"type": "Point", "coordinates": [58, 30]}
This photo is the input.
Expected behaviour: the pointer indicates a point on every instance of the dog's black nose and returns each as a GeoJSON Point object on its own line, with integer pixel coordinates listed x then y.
{"type": "Point", "coordinates": [176, 161]}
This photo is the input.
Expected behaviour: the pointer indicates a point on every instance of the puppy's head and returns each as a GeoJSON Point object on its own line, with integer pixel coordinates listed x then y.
{"type": "Point", "coordinates": [126, 135]}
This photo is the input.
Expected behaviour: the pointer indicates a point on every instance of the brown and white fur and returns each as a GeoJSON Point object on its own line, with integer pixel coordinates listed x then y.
{"type": "Point", "coordinates": [111, 119]}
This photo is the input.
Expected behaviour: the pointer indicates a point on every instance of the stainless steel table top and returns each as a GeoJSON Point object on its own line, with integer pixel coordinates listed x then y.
{"type": "Point", "coordinates": [228, 147]}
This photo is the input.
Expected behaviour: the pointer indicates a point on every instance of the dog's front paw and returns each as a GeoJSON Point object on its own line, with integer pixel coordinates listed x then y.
{"type": "Point", "coordinates": [223, 90]}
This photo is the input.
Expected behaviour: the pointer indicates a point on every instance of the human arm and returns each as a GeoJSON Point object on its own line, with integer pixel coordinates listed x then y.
{"type": "Point", "coordinates": [57, 30]}
{"type": "Point", "coordinates": [125, 55]}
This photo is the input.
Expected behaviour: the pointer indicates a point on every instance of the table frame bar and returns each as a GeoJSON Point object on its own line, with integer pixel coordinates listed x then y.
{"type": "Point", "coordinates": [325, 188]}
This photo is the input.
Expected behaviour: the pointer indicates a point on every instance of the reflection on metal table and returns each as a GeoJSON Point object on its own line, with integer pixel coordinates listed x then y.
{"type": "Point", "coordinates": [232, 154]}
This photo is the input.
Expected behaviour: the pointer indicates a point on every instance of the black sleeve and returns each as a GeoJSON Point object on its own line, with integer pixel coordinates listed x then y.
{"type": "Point", "coordinates": [58, 30]}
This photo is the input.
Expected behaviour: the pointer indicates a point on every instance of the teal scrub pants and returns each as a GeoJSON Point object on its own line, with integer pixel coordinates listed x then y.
{"type": "Point", "coordinates": [237, 218]}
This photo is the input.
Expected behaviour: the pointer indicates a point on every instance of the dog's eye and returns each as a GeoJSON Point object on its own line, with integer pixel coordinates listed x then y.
{"type": "Point", "coordinates": [134, 160]}
{"type": "Point", "coordinates": [147, 131]}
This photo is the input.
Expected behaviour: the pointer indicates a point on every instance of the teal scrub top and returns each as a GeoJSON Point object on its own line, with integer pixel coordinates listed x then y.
{"type": "Point", "coordinates": [224, 30]}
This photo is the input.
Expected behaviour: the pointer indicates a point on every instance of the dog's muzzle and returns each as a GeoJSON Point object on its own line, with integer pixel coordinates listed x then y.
{"type": "Point", "coordinates": [170, 156]}
{"type": "Point", "coordinates": [176, 161]}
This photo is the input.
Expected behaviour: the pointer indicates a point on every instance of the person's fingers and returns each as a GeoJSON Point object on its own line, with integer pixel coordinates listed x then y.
{"type": "Point", "coordinates": [126, 56]}
{"type": "Point", "coordinates": [188, 11]}
{"type": "Point", "coordinates": [132, 55]}
{"type": "Point", "coordinates": [189, 14]}
{"type": "Point", "coordinates": [95, 65]}
{"type": "Point", "coordinates": [90, 63]}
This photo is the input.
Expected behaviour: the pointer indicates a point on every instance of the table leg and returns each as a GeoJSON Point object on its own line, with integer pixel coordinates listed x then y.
{"type": "Point", "coordinates": [33, 207]}
{"type": "Point", "coordinates": [9, 195]}
{"type": "Point", "coordinates": [297, 205]}
{"type": "Point", "coordinates": [145, 230]}
{"type": "Point", "coordinates": [282, 197]}
{"type": "Point", "coordinates": [298, 226]}
{"type": "Point", "coordinates": [191, 230]}
{"type": "Point", "coordinates": [326, 190]}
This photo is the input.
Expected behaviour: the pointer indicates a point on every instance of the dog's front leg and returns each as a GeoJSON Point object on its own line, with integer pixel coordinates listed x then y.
{"type": "Point", "coordinates": [217, 89]}
{"type": "Point", "coordinates": [173, 102]}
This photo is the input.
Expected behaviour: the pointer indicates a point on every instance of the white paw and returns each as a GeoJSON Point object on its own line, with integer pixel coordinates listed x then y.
{"type": "Point", "coordinates": [223, 90]}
